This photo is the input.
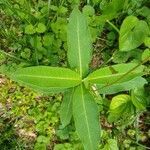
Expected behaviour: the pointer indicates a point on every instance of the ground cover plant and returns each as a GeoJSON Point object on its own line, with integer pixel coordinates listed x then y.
{"type": "Point", "coordinates": [118, 78]}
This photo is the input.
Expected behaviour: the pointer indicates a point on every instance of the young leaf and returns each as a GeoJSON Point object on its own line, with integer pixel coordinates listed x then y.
{"type": "Point", "coordinates": [66, 108]}
{"type": "Point", "coordinates": [121, 105]}
{"type": "Point", "coordinates": [111, 145]}
{"type": "Point", "coordinates": [132, 33]}
{"type": "Point", "coordinates": [29, 29]}
{"type": "Point", "coordinates": [41, 28]}
{"type": "Point", "coordinates": [44, 77]}
{"type": "Point", "coordinates": [124, 86]}
{"type": "Point", "coordinates": [86, 117]}
{"type": "Point", "coordinates": [118, 73]}
{"type": "Point", "coordinates": [79, 43]}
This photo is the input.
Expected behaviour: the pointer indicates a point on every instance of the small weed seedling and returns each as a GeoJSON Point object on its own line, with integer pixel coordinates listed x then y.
{"type": "Point", "coordinates": [78, 84]}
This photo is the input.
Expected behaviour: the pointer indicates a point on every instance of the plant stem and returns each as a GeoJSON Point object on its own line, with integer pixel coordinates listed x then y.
{"type": "Point", "coordinates": [142, 145]}
{"type": "Point", "coordinates": [113, 25]}
{"type": "Point", "coordinates": [49, 3]}
{"type": "Point", "coordinates": [10, 55]}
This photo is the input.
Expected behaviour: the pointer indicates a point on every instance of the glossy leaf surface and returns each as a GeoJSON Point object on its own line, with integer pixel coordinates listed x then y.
{"type": "Point", "coordinates": [86, 117]}
{"type": "Point", "coordinates": [79, 43]}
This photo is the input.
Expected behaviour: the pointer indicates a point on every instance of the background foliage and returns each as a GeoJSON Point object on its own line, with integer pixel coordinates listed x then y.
{"type": "Point", "coordinates": [35, 33]}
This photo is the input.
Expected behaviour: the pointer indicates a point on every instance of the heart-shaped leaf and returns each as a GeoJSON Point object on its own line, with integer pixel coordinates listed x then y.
{"type": "Point", "coordinates": [132, 33]}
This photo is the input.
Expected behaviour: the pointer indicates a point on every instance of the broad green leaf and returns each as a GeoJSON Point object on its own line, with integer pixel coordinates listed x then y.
{"type": "Point", "coordinates": [121, 105]}
{"type": "Point", "coordinates": [139, 98]}
{"type": "Point", "coordinates": [66, 108]}
{"type": "Point", "coordinates": [86, 117]}
{"type": "Point", "coordinates": [132, 33]}
{"type": "Point", "coordinates": [115, 74]}
{"type": "Point", "coordinates": [124, 86]}
{"type": "Point", "coordinates": [47, 78]}
{"type": "Point", "coordinates": [79, 43]}
{"type": "Point", "coordinates": [111, 145]}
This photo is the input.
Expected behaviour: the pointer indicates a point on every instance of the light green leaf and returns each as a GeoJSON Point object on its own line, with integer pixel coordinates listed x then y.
{"type": "Point", "coordinates": [146, 54]}
{"type": "Point", "coordinates": [48, 40]}
{"type": "Point", "coordinates": [118, 101]}
{"type": "Point", "coordinates": [29, 29]}
{"type": "Point", "coordinates": [111, 145]}
{"type": "Point", "coordinates": [147, 42]}
{"type": "Point", "coordinates": [41, 28]}
{"type": "Point", "coordinates": [132, 33]}
{"type": "Point", "coordinates": [47, 78]}
{"type": "Point", "coordinates": [121, 105]}
{"type": "Point", "coordinates": [86, 117]}
{"type": "Point", "coordinates": [115, 74]}
{"type": "Point", "coordinates": [79, 43]}
{"type": "Point", "coordinates": [139, 98]}
{"type": "Point", "coordinates": [88, 10]}
{"type": "Point", "coordinates": [124, 86]}
{"type": "Point", "coordinates": [66, 107]}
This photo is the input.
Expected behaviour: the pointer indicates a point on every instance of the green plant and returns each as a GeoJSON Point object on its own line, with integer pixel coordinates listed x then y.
{"type": "Point", "coordinates": [78, 83]}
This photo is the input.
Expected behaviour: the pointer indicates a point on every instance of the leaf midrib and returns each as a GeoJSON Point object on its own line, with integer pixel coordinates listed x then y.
{"type": "Point", "coordinates": [79, 48]}
{"type": "Point", "coordinates": [43, 87]}
{"type": "Point", "coordinates": [106, 76]}
{"type": "Point", "coordinates": [48, 77]}
{"type": "Point", "coordinates": [83, 104]}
